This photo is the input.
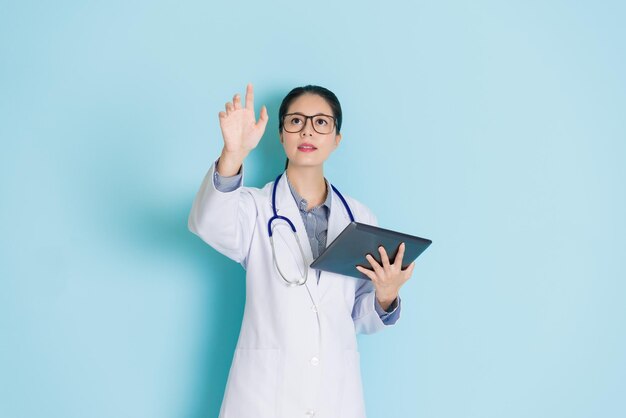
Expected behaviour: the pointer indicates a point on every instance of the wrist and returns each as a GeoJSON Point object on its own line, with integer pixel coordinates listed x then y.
{"type": "Point", "coordinates": [385, 301]}
{"type": "Point", "coordinates": [230, 163]}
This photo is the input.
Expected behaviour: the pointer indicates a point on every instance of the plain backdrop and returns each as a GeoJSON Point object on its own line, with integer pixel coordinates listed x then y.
{"type": "Point", "coordinates": [494, 128]}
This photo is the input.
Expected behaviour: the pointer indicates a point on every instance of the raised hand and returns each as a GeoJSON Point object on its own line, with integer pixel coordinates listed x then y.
{"type": "Point", "coordinates": [240, 129]}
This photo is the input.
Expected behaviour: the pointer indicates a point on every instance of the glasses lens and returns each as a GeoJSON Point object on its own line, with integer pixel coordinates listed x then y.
{"type": "Point", "coordinates": [294, 123]}
{"type": "Point", "coordinates": [323, 124]}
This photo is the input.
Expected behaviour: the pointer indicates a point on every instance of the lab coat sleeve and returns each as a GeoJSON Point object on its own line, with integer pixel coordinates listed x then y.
{"type": "Point", "coordinates": [367, 318]}
{"type": "Point", "coordinates": [224, 220]}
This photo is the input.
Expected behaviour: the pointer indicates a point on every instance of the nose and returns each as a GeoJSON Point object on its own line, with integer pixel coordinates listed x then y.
{"type": "Point", "coordinates": [307, 129]}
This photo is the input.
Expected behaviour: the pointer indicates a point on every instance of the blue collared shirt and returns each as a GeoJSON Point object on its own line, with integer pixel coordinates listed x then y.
{"type": "Point", "coordinates": [316, 225]}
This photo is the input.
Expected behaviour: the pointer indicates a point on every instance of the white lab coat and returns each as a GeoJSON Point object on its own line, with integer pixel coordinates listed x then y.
{"type": "Point", "coordinates": [297, 354]}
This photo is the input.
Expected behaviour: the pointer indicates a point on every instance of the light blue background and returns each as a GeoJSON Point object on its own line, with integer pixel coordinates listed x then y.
{"type": "Point", "coordinates": [496, 129]}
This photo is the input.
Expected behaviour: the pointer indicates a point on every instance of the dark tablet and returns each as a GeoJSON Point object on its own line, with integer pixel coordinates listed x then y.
{"type": "Point", "coordinates": [357, 240]}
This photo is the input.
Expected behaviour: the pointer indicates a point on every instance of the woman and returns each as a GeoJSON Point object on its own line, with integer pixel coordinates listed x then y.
{"type": "Point", "coordinates": [297, 350]}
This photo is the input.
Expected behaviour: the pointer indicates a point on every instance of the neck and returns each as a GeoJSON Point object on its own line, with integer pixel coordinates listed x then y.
{"type": "Point", "coordinates": [309, 183]}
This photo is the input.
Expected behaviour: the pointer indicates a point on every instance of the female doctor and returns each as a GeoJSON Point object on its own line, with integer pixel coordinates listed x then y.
{"type": "Point", "coordinates": [297, 354]}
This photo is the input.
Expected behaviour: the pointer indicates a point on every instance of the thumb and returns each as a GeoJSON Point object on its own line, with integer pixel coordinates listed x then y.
{"type": "Point", "coordinates": [263, 118]}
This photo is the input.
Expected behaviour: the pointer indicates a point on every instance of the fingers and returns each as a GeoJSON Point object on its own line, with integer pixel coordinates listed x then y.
{"type": "Point", "coordinates": [367, 272]}
{"type": "Point", "coordinates": [263, 118]}
{"type": "Point", "coordinates": [409, 269]}
{"type": "Point", "coordinates": [229, 108]}
{"type": "Point", "coordinates": [249, 97]}
{"type": "Point", "coordinates": [237, 101]}
{"type": "Point", "coordinates": [398, 260]}
{"type": "Point", "coordinates": [235, 105]}
{"type": "Point", "coordinates": [383, 256]}
{"type": "Point", "coordinates": [377, 268]}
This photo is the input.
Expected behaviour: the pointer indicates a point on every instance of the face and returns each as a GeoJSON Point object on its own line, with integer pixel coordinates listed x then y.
{"type": "Point", "coordinates": [309, 104]}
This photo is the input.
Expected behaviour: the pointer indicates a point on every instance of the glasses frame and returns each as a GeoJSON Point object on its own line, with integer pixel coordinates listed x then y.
{"type": "Point", "coordinates": [306, 118]}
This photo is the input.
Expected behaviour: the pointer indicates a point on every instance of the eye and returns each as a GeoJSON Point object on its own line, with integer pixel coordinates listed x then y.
{"type": "Point", "coordinates": [321, 121]}
{"type": "Point", "coordinates": [295, 120]}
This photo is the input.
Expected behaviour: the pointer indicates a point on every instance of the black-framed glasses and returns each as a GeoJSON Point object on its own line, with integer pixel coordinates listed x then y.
{"type": "Point", "coordinates": [322, 124]}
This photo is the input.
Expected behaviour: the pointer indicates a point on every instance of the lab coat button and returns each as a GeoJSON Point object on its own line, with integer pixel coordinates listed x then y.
{"type": "Point", "coordinates": [310, 413]}
{"type": "Point", "coordinates": [314, 308]}
{"type": "Point", "coordinates": [315, 361]}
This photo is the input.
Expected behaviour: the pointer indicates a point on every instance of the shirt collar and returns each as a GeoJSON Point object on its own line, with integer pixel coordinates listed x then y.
{"type": "Point", "coordinates": [302, 203]}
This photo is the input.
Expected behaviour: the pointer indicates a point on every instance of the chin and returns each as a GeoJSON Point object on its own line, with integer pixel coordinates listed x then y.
{"type": "Point", "coordinates": [305, 163]}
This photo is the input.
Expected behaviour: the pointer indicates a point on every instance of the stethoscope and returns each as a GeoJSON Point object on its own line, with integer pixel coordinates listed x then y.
{"type": "Point", "coordinates": [301, 280]}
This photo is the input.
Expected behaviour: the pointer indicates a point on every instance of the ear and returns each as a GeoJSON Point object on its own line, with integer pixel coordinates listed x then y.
{"type": "Point", "coordinates": [280, 137]}
{"type": "Point", "coordinates": [337, 139]}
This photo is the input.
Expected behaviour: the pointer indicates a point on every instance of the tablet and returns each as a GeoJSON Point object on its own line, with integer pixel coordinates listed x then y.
{"type": "Point", "coordinates": [357, 240]}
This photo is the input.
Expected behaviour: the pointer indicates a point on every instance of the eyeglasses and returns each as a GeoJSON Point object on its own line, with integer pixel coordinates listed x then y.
{"type": "Point", "coordinates": [322, 124]}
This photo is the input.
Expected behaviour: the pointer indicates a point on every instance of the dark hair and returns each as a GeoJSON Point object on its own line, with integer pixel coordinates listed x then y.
{"type": "Point", "coordinates": [324, 93]}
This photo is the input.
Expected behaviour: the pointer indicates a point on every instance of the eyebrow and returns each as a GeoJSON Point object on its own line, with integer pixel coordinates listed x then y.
{"type": "Point", "coordinates": [302, 114]}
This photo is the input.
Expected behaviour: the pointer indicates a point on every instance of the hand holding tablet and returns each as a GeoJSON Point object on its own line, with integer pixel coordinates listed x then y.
{"type": "Point", "coordinates": [357, 240]}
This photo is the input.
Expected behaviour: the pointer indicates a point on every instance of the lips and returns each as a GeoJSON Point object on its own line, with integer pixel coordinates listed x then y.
{"type": "Point", "coordinates": [306, 147]}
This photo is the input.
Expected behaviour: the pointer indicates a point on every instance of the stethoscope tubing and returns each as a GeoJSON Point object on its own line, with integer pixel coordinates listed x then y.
{"type": "Point", "coordinates": [302, 280]}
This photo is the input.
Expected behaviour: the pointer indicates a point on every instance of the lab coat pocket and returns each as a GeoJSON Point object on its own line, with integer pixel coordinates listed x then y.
{"type": "Point", "coordinates": [352, 403]}
{"type": "Point", "coordinates": [252, 384]}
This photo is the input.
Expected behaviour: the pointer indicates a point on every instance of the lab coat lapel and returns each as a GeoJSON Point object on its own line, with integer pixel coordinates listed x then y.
{"type": "Point", "coordinates": [337, 221]}
{"type": "Point", "coordinates": [286, 206]}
